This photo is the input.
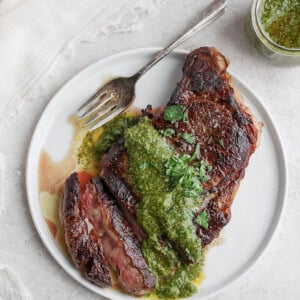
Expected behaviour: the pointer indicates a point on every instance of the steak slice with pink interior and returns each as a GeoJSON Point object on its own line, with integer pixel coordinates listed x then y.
{"type": "Point", "coordinates": [120, 248]}
{"type": "Point", "coordinates": [81, 237]}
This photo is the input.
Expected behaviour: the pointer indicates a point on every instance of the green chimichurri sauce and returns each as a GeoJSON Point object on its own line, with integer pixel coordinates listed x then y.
{"type": "Point", "coordinates": [169, 186]}
{"type": "Point", "coordinates": [93, 147]}
{"type": "Point", "coordinates": [164, 213]}
{"type": "Point", "coordinates": [114, 130]}
{"type": "Point", "coordinates": [281, 21]}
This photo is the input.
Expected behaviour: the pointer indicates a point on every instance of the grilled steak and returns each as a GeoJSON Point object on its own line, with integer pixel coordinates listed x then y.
{"type": "Point", "coordinates": [109, 229]}
{"type": "Point", "coordinates": [221, 125]}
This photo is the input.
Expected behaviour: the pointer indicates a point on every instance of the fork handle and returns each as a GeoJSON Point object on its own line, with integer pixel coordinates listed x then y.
{"type": "Point", "coordinates": [212, 12]}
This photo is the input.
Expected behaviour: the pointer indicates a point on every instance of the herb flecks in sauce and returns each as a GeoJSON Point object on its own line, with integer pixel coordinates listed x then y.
{"type": "Point", "coordinates": [114, 130]}
{"type": "Point", "coordinates": [86, 152]}
{"type": "Point", "coordinates": [97, 142]}
{"type": "Point", "coordinates": [169, 186]}
{"type": "Point", "coordinates": [281, 21]}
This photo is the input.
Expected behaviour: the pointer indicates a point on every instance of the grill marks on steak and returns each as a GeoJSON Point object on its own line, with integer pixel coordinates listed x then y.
{"type": "Point", "coordinates": [108, 228]}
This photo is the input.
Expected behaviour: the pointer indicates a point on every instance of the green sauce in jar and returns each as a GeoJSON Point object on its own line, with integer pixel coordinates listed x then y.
{"type": "Point", "coordinates": [281, 21]}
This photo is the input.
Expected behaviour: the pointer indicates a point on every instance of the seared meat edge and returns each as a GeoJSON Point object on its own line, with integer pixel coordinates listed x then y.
{"type": "Point", "coordinates": [98, 235]}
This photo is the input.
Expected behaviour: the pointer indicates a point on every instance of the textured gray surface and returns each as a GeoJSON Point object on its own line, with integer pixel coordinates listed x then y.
{"type": "Point", "coordinates": [277, 274]}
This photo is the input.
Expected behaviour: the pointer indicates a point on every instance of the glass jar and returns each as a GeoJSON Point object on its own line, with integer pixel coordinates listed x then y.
{"type": "Point", "coordinates": [276, 54]}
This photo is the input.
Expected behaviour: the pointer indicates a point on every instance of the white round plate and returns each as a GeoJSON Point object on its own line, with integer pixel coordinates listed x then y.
{"type": "Point", "coordinates": [256, 209]}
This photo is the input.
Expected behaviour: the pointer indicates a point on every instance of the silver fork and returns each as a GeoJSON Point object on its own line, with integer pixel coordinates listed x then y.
{"type": "Point", "coordinates": [116, 95]}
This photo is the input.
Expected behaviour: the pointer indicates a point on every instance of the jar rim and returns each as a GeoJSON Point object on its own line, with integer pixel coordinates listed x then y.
{"type": "Point", "coordinates": [255, 12]}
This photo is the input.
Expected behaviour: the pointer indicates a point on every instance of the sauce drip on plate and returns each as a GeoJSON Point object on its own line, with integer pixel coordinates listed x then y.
{"type": "Point", "coordinates": [52, 175]}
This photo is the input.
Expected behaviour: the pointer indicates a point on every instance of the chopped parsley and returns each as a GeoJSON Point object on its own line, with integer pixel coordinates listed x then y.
{"type": "Point", "coordinates": [185, 117]}
{"type": "Point", "coordinates": [188, 138]}
{"type": "Point", "coordinates": [188, 175]}
{"type": "Point", "coordinates": [144, 165]}
{"type": "Point", "coordinates": [175, 113]}
{"type": "Point", "coordinates": [221, 142]}
{"type": "Point", "coordinates": [169, 132]}
{"type": "Point", "coordinates": [202, 219]}
{"type": "Point", "coordinates": [196, 154]}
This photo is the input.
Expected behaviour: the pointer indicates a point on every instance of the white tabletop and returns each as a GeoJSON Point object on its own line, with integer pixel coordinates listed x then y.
{"type": "Point", "coordinates": [277, 274]}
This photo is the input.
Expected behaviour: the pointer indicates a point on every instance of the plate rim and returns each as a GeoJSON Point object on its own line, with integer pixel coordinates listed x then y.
{"type": "Point", "coordinates": [275, 133]}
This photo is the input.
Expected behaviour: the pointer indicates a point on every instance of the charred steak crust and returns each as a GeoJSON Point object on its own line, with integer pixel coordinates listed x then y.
{"type": "Point", "coordinates": [81, 238]}
{"type": "Point", "coordinates": [98, 235]}
{"type": "Point", "coordinates": [114, 174]}
{"type": "Point", "coordinates": [118, 227]}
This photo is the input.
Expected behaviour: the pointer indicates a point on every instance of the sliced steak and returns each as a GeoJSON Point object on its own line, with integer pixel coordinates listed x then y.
{"type": "Point", "coordinates": [82, 239]}
{"type": "Point", "coordinates": [121, 247]}
{"type": "Point", "coordinates": [114, 173]}
{"type": "Point", "coordinates": [105, 226]}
